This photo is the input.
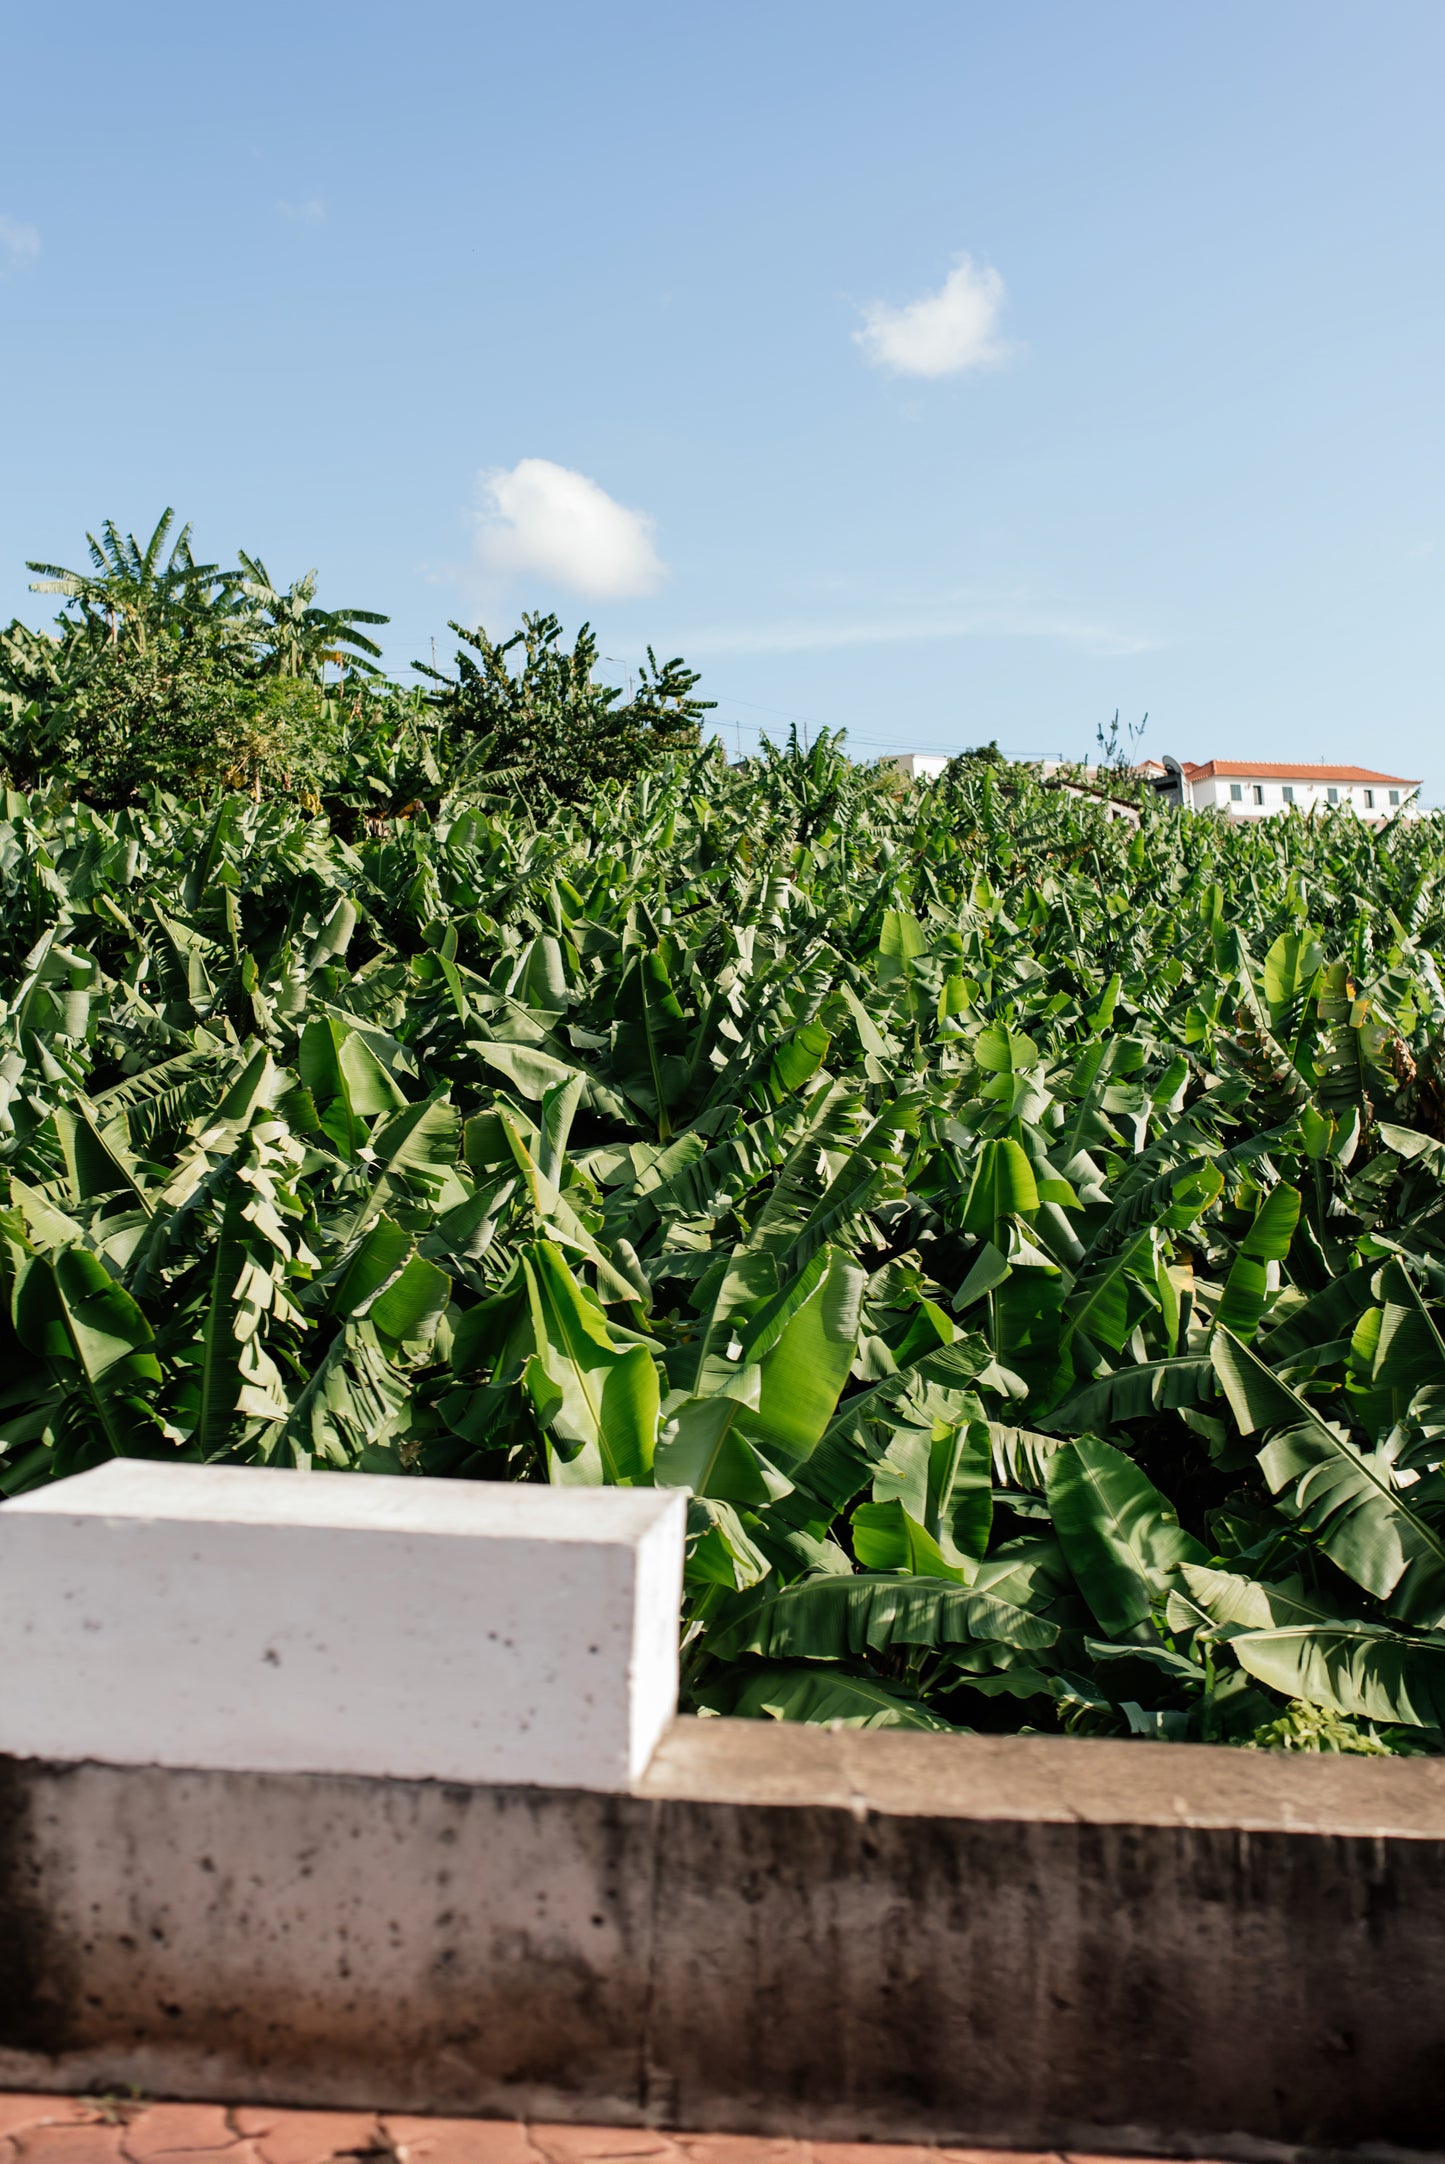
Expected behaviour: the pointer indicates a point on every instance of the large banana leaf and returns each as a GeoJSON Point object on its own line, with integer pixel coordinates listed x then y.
{"type": "Point", "coordinates": [1354, 1668]}
{"type": "Point", "coordinates": [774, 1691]}
{"type": "Point", "coordinates": [825, 1618]}
{"type": "Point", "coordinates": [597, 1399]}
{"type": "Point", "coordinates": [1122, 1540]}
{"type": "Point", "coordinates": [1349, 1498]}
{"type": "Point", "coordinates": [941, 1481]}
{"type": "Point", "coordinates": [1247, 1288]}
{"type": "Point", "coordinates": [803, 1342]}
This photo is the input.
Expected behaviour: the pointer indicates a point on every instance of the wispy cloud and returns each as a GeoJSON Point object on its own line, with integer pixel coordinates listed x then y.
{"type": "Point", "coordinates": [942, 333]}
{"type": "Point", "coordinates": [19, 245]}
{"type": "Point", "coordinates": [311, 212]}
{"type": "Point", "coordinates": [545, 521]}
{"type": "Point", "coordinates": [1001, 617]}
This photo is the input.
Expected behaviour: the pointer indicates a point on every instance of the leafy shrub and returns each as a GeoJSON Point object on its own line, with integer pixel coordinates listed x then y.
{"type": "Point", "coordinates": [167, 673]}
{"type": "Point", "coordinates": [130, 720]}
{"type": "Point", "coordinates": [551, 725]}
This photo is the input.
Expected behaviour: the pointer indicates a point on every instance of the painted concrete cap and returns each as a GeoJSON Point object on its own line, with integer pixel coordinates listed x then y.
{"type": "Point", "coordinates": [243, 1617]}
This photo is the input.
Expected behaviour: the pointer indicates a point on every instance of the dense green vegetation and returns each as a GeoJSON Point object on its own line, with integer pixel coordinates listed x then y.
{"type": "Point", "coordinates": [1025, 1236]}
{"type": "Point", "coordinates": [164, 673]}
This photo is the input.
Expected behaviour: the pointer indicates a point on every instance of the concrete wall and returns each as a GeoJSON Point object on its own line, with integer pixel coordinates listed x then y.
{"type": "Point", "coordinates": [782, 1930]}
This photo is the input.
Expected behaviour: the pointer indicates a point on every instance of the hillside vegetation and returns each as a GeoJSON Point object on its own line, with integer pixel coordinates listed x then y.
{"type": "Point", "coordinates": [1023, 1235]}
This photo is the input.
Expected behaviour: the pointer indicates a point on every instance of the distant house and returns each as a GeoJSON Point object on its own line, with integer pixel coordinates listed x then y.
{"type": "Point", "coordinates": [1262, 788]}
{"type": "Point", "coordinates": [918, 765]}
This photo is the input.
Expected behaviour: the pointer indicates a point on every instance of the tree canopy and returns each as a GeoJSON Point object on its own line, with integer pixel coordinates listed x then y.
{"type": "Point", "coordinates": [196, 677]}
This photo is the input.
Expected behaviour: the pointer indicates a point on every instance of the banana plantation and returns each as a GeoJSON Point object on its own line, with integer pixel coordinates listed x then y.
{"type": "Point", "coordinates": [1024, 1236]}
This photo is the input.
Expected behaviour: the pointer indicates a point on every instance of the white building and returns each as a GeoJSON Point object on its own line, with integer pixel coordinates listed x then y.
{"type": "Point", "coordinates": [918, 765]}
{"type": "Point", "coordinates": [1261, 788]}
{"type": "Point", "coordinates": [1072, 780]}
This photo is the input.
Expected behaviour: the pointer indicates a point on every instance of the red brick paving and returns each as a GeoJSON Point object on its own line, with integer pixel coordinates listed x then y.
{"type": "Point", "coordinates": [87, 2130]}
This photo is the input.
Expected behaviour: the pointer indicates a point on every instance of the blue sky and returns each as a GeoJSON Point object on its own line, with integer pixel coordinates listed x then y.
{"type": "Point", "coordinates": [942, 372]}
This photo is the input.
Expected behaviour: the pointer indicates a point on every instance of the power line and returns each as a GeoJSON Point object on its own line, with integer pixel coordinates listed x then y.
{"type": "Point", "coordinates": [860, 736]}
{"type": "Point", "coordinates": [909, 745]}
{"type": "Point", "coordinates": [782, 712]}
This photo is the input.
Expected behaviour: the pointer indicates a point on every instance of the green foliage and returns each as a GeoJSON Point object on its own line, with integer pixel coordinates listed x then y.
{"type": "Point", "coordinates": [135, 594]}
{"type": "Point", "coordinates": [167, 673]}
{"type": "Point", "coordinates": [163, 673]}
{"type": "Point", "coordinates": [293, 637]}
{"type": "Point", "coordinates": [1020, 1234]}
{"type": "Point", "coordinates": [135, 718]}
{"type": "Point", "coordinates": [549, 722]}
{"type": "Point", "coordinates": [977, 755]}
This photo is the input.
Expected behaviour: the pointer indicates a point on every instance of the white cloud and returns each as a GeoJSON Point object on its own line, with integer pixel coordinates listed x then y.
{"type": "Point", "coordinates": [1000, 617]}
{"type": "Point", "coordinates": [547, 521]}
{"type": "Point", "coordinates": [311, 212]}
{"type": "Point", "coordinates": [944, 332]}
{"type": "Point", "coordinates": [19, 245]}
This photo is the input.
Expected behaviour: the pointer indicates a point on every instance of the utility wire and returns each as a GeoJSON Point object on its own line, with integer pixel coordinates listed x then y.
{"type": "Point", "coordinates": [902, 748]}
{"type": "Point", "coordinates": [860, 736]}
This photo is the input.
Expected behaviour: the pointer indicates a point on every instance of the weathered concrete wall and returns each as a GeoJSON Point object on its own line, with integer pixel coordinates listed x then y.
{"type": "Point", "coordinates": [782, 1930]}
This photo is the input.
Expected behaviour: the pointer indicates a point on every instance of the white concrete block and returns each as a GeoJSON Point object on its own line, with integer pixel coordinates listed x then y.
{"type": "Point", "coordinates": [240, 1617]}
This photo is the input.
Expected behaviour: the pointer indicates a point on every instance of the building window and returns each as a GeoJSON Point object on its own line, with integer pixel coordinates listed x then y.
{"type": "Point", "coordinates": [1334, 795]}
{"type": "Point", "coordinates": [1236, 792]}
{"type": "Point", "coordinates": [1288, 795]}
{"type": "Point", "coordinates": [1258, 793]}
{"type": "Point", "coordinates": [1394, 796]}
{"type": "Point", "coordinates": [1369, 800]}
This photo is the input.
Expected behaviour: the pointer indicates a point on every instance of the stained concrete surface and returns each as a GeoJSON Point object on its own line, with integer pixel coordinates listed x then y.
{"type": "Point", "coordinates": [784, 1932]}
{"type": "Point", "coordinates": [902, 1773]}
{"type": "Point", "coordinates": [47, 2130]}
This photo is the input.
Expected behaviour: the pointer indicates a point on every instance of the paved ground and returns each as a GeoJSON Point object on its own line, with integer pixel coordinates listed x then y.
{"type": "Point", "coordinates": [64, 2130]}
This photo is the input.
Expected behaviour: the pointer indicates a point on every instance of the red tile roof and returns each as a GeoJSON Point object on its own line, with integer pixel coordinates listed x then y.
{"type": "Point", "coordinates": [1281, 770]}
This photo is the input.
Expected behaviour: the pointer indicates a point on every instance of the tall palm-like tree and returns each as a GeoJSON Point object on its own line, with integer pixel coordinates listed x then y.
{"type": "Point", "coordinates": [295, 637]}
{"type": "Point", "coordinates": [136, 592]}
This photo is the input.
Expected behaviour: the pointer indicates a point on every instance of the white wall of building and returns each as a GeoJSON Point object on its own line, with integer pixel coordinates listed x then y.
{"type": "Point", "coordinates": [1264, 796]}
{"type": "Point", "coordinates": [919, 765]}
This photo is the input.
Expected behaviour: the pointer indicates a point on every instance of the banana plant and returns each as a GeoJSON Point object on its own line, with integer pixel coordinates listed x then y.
{"type": "Point", "coordinates": [1020, 1236]}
